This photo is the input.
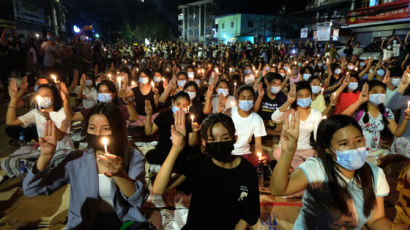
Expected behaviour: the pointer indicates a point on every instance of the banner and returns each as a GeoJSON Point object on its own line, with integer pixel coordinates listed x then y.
{"type": "Point", "coordinates": [28, 12]}
{"type": "Point", "coordinates": [323, 33]}
{"type": "Point", "coordinates": [388, 11]}
{"type": "Point", "coordinates": [304, 33]}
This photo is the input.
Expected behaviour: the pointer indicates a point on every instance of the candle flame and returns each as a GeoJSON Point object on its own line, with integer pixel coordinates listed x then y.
{"type": "Point", "coordinates": [152, 84]}
{"type": "Point", "coordinates": [192, 118]}
{"type": "Point", "coordinates": [54, 77]}
{"type": "Point", "coordinates": [259, 156]}
{"type": "Point", "coordinates": [104, 141]}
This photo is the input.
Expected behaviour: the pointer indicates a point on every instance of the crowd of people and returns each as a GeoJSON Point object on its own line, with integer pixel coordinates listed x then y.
{"type": "Point", "coordinates": [217, 111]}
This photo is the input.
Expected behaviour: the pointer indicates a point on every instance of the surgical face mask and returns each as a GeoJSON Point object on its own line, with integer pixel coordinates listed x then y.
{"type": "Point", "coordinates": [350, 67]}
{"type": "Point", "coordinates": [35, 88]}
{"type": "Point", "coordinates": [245, 105]}
{"type": "Point", "coordinates": [50, 38]}
{"type": "Point", "coordinates": [353, 86]}
{"type": "Point", "coordinates": [338, 71]}
{"type": "Point", "coordinates": [192, 95]}
{"type": "Point", "coordinates": [197, 81]}
{"type": "Point", "coordinates": [394, 41]}
{"type": "Point", "coordinates": [181, 83]}
{"type": "Point", "coordinates": [300, 64]}
{"type": "Point", "coordinates": [282, 74]}
{"type": "Point", "coordinates": [247, 71]}
{"type": "Point", "coordinates": [320, 64]}
{"type": "Point", "coordinates": [45, 103]}
{"type": "Point", "coordinates": [104, 97]}
{"type": "Point", "coordinates": [389, 47]}
{"type": "Point", "coordinates": [221, 151]}
{"type": "Point", "coordinates": [97, 82]}
{"type": "Point", "coordinates": [306, 76]}
{"type": "Point", "coordinates": [267, 68]}
{"type": "Point", "coordinates": [249, 79]}
{"type": "Point", "coordinates": [316, 89]}
{"type": "Point", "coordinates": [224, 92]}
{"type": "Point", "coordinates": [352, 159]}
{"type": "Point", "coordinates": [176, 109]}
{"type": "Point", "coordinates": [157, 79]}
{"type": "Point", "coordinates": [395, 81]}
{"type": "Point", "coordinates": [380, 72]}
{"type": "Point", "coordinates": [362, 64]}
{"type": "Point", "coordinates": [286, 68]}
{"type": "Point", "coordinates": [88, 82]}
{"type": "Point", "coordinates": [144, 80]}
{"type": "Point", "coordinates": [304, 102]}
{"type": "Point", "coordinates": [275, 89]}
{"type": "Point", "coordinates": [191, 75]}
{"type": "Point", "coordinates": [377, 98]}
{"type": "Point", "coordinates": [325, 67]}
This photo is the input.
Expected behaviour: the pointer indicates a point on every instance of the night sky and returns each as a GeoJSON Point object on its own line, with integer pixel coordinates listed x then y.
{"type": "Point", "coordinates": [113, 15]}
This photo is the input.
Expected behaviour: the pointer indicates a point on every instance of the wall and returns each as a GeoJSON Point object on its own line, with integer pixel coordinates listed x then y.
{"type": "Point", "coordinates": [228, 31]}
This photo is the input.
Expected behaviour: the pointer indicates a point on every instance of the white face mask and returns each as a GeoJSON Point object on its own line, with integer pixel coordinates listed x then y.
{"type": "Point", "coordinates": [144, 80]}
{"type": "Point", "coordinates": [192, 95]}
{"type": "Point", "coordinates": [45, 103]}
{"type": "Point", "coordinates": [191, 75]}
{"type": "Point", "coordinates": [224, 92]}
{"type": "Point", "coordinates": [88, 82]}
{"type": "Point", "coordinates": [157, 79]}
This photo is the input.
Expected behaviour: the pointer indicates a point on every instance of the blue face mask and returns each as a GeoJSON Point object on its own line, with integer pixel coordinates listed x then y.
{"type": "Point", "coordinates": [176, 109]}
{"type": "Point", "coordinates": [245, 105]}
{"type": "Point", "coordinates": [352, 159]}
{"type": "Point", "coordinates": [275, 89]}
{"type": "Point", "coordinates": [104, 97]}
{"type": "Point", "coordinates": [306, 76]}
{"type": "Point", "coordinates": [325, 67]}
{"type": "Point", "coordinates": [247, 71]}
{"type": "Point", "coordinates": [377, 98]}
{"type": "Point", "coordinates": [353, 86]}
{"type": "Point", "coordinates": [304, 102]}
{"type": "Point", "coordinates": [395, 81]}
{"type": "Point", "coordinates": [181, 83]}
{"type": "Point", "coordinates": [316, 89]}
{"type": "Point", "coordinates": [36, 88]}
{"type": "Point", "coordinates": [380, 72]}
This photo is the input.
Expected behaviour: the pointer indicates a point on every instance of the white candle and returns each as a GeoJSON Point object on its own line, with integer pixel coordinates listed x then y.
{"type": "Point", "coordinates": [192, 118]}
{"type": "Point", "coordinates": [104, 141]}
{"type": "Point", "coordinates": [133, 84]}
{"type": "Point", "coordinates": [234, 84]}
{"type": "Point", "coordinates": [408, 105]}
{"type": "Point", "coordinates": [54, 77]}
{"type": "Point", "coordinates": [259, 157]}
{"type": "Point", "coordinates": [324, 117]}
{"type": "Point", "coordinates": [39, 98]}
{"type": "Point", "coordinates": [119, 82]}
{"type": "Point", "coordinates": [152, 84]}
{"type": "Point", "coordinates": [233, 103]}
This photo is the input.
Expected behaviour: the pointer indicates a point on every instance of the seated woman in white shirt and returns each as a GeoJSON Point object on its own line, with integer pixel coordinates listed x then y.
{"type": "Point", "coordinates": [49, 106]}
{"type": "Point", "coordinates": [248, 124]}
{"type": "Point", "coordinates": [342, 190]}
{"type": "Point", "coordinates": [87, 93]}
{"type": "Point", "coordinates": [220, 102]}
{"type": "Point", "coordinates": [299, 99]}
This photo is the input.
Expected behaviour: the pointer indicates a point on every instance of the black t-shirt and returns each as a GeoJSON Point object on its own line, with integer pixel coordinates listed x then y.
{"type": "Point", "coordinates": [140, 100]}
{"type": "Point", "coordinates": [164, 121]}
{"type": "Point", "coordinates": [269, 106]}
{"type": "Point", "coordinates": [221, 197]}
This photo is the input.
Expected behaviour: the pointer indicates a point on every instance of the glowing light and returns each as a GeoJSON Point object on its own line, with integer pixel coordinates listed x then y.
{"type": "Point", "coordinates": [104, 141]}
{"type": "Point", "coordinates": [259, 156]}
{"type": "Point", "coordinates": [97, 35]}
{"type": "Point", "coordinates": [39, 99]}
{"type": "Point", "coordinates": [76, 29]}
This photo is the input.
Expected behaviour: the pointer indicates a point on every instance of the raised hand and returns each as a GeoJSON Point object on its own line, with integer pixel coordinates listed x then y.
{"type": "Point", "coordinates": [346, 81]}
{"type": "Point", "coordinates": [196, 127]}
{"type": "Point", "coordinates": [364, 95]}
{"type": "Point", "coordinates": [23, 84]}
{"type": "Point", "coordinates": [64, 91]}
{"type": "Point", "coordinates": [261, 90]}
{"type": "Point", "coordinates": [48, 142]}
{"type": "Point", "coordinates": [111, 162]}
{"type": "Point", "coordinates": [13, 89]}
{"type": "Point", "coordinates": [148, 107]}
{"type": "Point", "coordinates": [83, 78]}
{"type": "Point", "coordinates": [292, 94]}
{"type": "Point", "coordinates": [290, 133]}
{"type": "Point", "coordinates": [386, 78]}
{"type": "Point", "coordinates": [405, 80]}
{"type": "Point", "coordinates": [178, 130]}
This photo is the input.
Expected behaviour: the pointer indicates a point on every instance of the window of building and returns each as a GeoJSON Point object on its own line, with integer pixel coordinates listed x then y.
{"type": "Point", "coordinates": [250, 23]}
{"type": "Point", "coordinates": [223, 25]}
{"type": "Point", "coordinates": [232, 24]}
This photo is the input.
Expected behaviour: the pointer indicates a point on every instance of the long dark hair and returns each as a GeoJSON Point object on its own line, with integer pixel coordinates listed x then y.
{"type": "Point", "coordinates": [57, 101]}
{"type": "Point", "coordinates": [120, 145]}
{"type": "Point", "coordinates": [337, 186]}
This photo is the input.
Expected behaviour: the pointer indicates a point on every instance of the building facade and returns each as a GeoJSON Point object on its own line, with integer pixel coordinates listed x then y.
{"type": "Point", "coordinates": [378, 19]}
{"type": "Point", "coordinates": [197, 21]}
{"type": "Point", "coordinates": [31, 17]}
{"type": "Point", "coordinates": [241, 27]}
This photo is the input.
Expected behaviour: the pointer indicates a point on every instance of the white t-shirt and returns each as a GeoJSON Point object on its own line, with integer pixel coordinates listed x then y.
{"type": "Point", "coordinates": [49, 60]}
{"type": "Point", "coordinates": [59, 118]}
{"type": "Point", "coordinates": [387, 54]}
{"type": "Point", "coordinates": [246, 127]}
{"type": "Point", "coordinates": [105, 205]}
{"type": "Point", "coordinates": [230, 101]}
{"type": "Point", "coordinates": [306, 127]}
{"type": "Point", "coordinates": [357, 51]}
{"type": "Point", "coordinates": [396, 49]}
{"type": "Point", "coordinates": [315, 175]}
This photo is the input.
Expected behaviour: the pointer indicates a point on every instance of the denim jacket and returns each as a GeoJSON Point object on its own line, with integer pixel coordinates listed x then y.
{"type": "Point", "coordinates": [79, 169]}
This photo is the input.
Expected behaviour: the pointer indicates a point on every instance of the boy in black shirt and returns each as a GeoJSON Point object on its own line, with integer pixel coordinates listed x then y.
{"type": "Point", "coordinates": [224, 187]}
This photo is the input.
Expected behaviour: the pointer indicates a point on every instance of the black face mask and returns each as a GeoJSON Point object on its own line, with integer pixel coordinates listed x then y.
{"type": "Point", "coordinates": [94, 142]}
{"type": "Point", "coordinates": [221, 151]}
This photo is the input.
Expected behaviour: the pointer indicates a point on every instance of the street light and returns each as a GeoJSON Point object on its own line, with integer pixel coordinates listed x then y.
{"type": "Point", "coordinates": [76, 29]}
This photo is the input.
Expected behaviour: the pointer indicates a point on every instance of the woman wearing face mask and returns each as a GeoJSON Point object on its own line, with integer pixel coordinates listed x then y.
{"type": "Point", "coordinates": [243, 116]}
{"type": "Point", "coordinates": [392, 80]}
{"type": "Point", "coordinates": [109, 180]}
{"type": "Point", "coordinates": [176, 85]}
{"type": "Point", "coordinates": [387, 51]}
{"type": "Point", "coordinates": [372, 116]}
{"type": "Point", "coordinates": [106, 92]}
{"type": "Point", "coordinates": [300, 99]}
{"type": "Point", "coordinates": [294, 75]}
{"type": "Point", "coordinates": [48, 105]}
{"type": "Point", "coordinates": [211, 173]}
{"type": "Point", "coordinates": [335, 75]}
{"type": "Point", "coordinates": [162, 124]}
{"type": "Point", "coordinates": [306, 73]}
{"type": "Point", "coordinates": [222, 101]}
{"type": "Point", "coordinates": [87, 93]}
{"type": "Point", "coordinates": [318, 100]}
{"type": "Point", "coordinates": [348, 93]}
{"type": "Point", "coordinates": [342, 190]}
{"type": "Point", "coordinates": [196, 103]}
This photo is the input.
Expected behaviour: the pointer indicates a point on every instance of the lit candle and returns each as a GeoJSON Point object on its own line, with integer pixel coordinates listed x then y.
{"type": "Point", "coordinates": [408, 105]}
{"type": "Point", "coordinates": [324, 117]}
{"type": "Point", "coordinates": [125, 61]}
{"type": "Point", "coordinates": [152, 84]}
{"type": "Point", "coordinates": [109, 76]}
{"type": "Point", "coordinates": [323, 89]}
{"type": "Point", "coordinates": [54, 77]}
{"type": "Point", "coordinates": [234, 84]}
{"type": "Point", "coordinates": [39, 98]}
{"type": "Point", "coordinates": [192, 118]}
{"type": "Point", "coordinates": [133, 84]}
{"type": "Point", "coordinates": [259, 156]}
{"type": "Point", "coordinates": [37, 35]}
{"type": "Point", "coordinates": [104, 141]}
{"type": "Point", "coordinates": [119, 82]}
{"type": "Point", "coordinates": [163, 79]}
{"type": "Point", "coordinates": [233, 103]}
